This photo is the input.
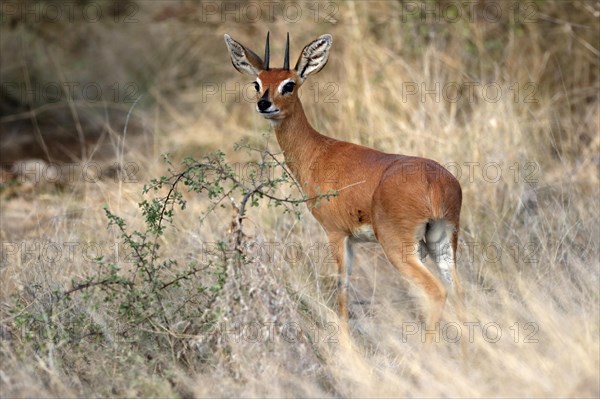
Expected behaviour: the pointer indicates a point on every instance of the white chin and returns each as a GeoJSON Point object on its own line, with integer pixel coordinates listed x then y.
{"type": "Point", "coordinates": [270, 115]}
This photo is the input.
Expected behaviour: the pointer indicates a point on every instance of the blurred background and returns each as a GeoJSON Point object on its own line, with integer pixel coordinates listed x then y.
{"type": "Point", "coordinates": [503, 93]}
{"type": "Point", "coordinates": [71, 72]}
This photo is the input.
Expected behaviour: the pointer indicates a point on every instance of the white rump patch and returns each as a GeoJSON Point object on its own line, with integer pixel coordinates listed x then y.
{"type": "Point", "coordinates": [438, 241]}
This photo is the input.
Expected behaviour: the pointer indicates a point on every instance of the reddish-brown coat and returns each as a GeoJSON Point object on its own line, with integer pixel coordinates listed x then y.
{"type": "Point", "coordinates": [409, 189]}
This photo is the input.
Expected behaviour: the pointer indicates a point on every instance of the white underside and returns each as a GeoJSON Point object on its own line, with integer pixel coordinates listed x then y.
{"type": "Point", "coordinates": [364, 233]}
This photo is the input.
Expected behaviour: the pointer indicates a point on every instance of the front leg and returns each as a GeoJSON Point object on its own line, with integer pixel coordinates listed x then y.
{"type": "Point", "coordinates": [341, 252]}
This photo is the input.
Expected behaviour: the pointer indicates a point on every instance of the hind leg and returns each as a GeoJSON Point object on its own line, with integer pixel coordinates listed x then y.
{"type": "Point", "coordinates": [401, 249]}
{"type": "Point", "coordinates": [458, 288]}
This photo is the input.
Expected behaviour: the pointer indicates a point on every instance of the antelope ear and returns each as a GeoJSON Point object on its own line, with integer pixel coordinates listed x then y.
{"type": "Point", "coordinates": [243, 59]}
{"type": "Point", "coordinates": [314, 56]}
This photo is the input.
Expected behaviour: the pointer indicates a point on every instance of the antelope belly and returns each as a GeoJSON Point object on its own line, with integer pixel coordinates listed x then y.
{"type": "Point", "coordinates": [364, 233]}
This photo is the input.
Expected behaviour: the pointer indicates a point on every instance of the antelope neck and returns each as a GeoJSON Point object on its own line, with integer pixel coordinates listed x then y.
{"type": "Point", "coordinates": [300, 143]}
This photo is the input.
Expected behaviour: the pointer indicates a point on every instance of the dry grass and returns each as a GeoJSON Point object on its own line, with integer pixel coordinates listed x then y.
{"type": "Point", "coordinates": [529, 240]}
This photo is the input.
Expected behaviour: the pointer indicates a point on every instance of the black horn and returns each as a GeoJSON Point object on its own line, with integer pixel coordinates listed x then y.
{"type": "Point", "coordinates": [286, 60]}
{"type": "Point", "coordinates": [267, 54]}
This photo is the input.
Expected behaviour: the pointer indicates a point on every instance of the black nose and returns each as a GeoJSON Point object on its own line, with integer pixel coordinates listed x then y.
{"type": "Point", "coordinates": [263, 105]}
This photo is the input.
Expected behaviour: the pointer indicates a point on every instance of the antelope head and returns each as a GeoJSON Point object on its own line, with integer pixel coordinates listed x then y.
{"type": "Point", "coordinates": [277, 88]}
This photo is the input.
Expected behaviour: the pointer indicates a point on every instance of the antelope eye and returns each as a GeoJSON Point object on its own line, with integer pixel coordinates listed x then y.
{"type": "Point", "coordinates": [288, 87]}
{"type": "Point", "coordinates": [256, 86]}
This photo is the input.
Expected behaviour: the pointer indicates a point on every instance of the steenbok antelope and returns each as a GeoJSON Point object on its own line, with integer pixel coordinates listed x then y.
{"type": "Point", "coordinates": [410, 205]}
